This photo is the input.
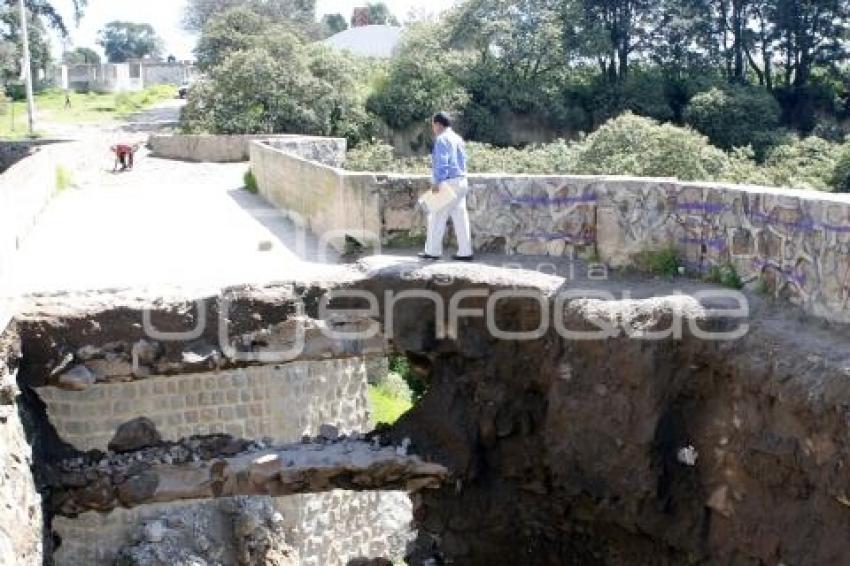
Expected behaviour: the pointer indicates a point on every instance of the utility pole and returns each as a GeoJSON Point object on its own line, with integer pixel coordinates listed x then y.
{"type": "Point", "coordinates": [26, 68]}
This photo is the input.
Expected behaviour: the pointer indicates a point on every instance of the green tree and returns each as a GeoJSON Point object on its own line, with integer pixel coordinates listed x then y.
{"type": "Point", "coordinates": [609, 32]}
{"type": "Point", "coordinates": [10, 37]}
{"type": "Point", "coordinates": [233, 30]}
{"type": "Point", "coordinates": [199, 12]}
{"type": "Point", "coordinates": [81, 55]}
{"type": "Point", "coordinates": [272, 82]}
{"type": "Point", "coordinates": [123, 41]}
{"type": "Point", "coordinates": [48, 12]}
{"type": "Point", "coordinates": [379, 14]}
{"type": "Point", "coordinates": [735, 117]}
{"type": "Point", "coordinates": [335, 23]}
{"type": "Point", "coordinates": [422, 79]}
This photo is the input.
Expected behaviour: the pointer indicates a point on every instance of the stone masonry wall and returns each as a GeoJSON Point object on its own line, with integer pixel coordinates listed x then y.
{"type": "Point", "coordinates": [325, 529]}
{"type": "Point", "coordinates": [21, 524]}
{"type": "Point", "coordinates": [281, 402]}
{"type": "Point", "coordinates": [793, 244]}
{"type": "Point", "coordinates": [335, 527]}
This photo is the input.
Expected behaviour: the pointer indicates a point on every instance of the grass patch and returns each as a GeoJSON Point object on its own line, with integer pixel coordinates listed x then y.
{"type": "Point", "coordinates": [725, 275]}
{"type": "Point", "coordinates": [88, 108]}
{"type": "Point", "coordinates": [663, 262]}
{"type": "Point", "coordinates": [64, 178]}
{"type": "Point", "coordinates": [404, 240]}
{"type": "Point", "coordinates": [250, 182]}
{"type": "Point", "coordinates": [387, 407]}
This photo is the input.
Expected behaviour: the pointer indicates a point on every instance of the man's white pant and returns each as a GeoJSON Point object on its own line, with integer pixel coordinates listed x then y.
{"type": "Point", "coordinates": [460, 221]}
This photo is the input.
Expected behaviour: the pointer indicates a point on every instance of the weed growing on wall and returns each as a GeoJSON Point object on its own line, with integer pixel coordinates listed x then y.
{"type": "Point", "coordinates": [64, 179]}
{"type": "Point", "coordinates": [250, 182]}
{"type": "Point", "coordinates": [662, 262]}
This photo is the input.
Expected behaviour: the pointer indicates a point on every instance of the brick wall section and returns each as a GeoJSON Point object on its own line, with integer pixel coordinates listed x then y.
{"type": "Point", "coordinates": [282, 402]}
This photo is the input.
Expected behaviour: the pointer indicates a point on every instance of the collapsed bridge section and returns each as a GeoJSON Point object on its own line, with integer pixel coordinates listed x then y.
{"type": "Point", "coordinates": [650, 439]}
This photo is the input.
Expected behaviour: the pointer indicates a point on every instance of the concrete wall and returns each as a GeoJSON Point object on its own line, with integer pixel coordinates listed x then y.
{"type": "Point", "coordinates": [26, 188]}
{"type": "Point", "coordinates": [795, 244]}
{"type": "Point", "coordinates": [332, 202]}
{"type": "Point", "coordinates": [117, 77]}
{"type": "Point", "coordinates": [166, 74]}
{"type": "Point", "coordinates": [282, 402]}
{"type": "Point", "coordinates": [236, 148]}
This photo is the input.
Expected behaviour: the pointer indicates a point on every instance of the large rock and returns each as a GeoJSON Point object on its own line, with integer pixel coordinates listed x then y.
{"type": "Point", "coordinates": [77, 378]}
{"type": "Point", "coordinates": [135, 435]}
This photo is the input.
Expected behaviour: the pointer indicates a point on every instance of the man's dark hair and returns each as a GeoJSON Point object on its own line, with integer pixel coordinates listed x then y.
{"type": "Point", "coordinates": [443, 119]}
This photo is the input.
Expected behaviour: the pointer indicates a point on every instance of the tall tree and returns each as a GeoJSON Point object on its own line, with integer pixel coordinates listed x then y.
{"type": "Point", "coordinates": [199, 12]}
{"type": "Point", "coordinates": [811, 32]}
{"type": "Point", "coordinates": [380, 15]}
{"type": "Point", "coordinates": [609, 32]}
{"type": "Point", "coordinates": [10, 37]}
{"type": "Point", "coordinates": [129, 40]}
{"type": "Point", "coordinates": [81, 56]}
{"type": "Point", "coordinates": [335, 23]}
{"type": "Point", "coordinates": [47, 10]}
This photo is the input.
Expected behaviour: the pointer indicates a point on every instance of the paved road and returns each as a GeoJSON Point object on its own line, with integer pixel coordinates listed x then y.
{"type": "Point", "coordinates": [164, 223]}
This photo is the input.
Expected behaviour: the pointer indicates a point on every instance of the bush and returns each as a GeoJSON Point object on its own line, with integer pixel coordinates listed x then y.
{"type": "Point", "coordinates": [277, 84]}
{"type": "Point", "coordinates": [725, 275]}
{"type": "Point", "coordinates": [631, 145]}
{"type": "Point", "coordinates": [735, 117]}
{"type": "Point", "coordinates": [663, 262]}
{"type": "Point", "coordinates": [805, 163]}
{"type": "Point", "coordinates": [64, 178]}
{"type": "Point", "coordinates": [421, 80]}
{"type": "Point", "coordinates": [840, 178]}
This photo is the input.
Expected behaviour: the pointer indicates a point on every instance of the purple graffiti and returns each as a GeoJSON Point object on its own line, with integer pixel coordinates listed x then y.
{"type": "Point", "coordinates": [834, 228]}
{"type": "Point", "coordinates": [706, 207]}
{"type": "Point", "coordinates": [792, 274]}
{"type": "Point", "coordinates": [804, 225]}
{"type": "Point", "coordinates": [718, 243]}
{"type": "Point", "coordinates": [541, 201]}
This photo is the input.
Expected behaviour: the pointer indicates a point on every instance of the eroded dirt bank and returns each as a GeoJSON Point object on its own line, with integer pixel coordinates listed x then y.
{"type": "Point", "coordinates": [611, 451]}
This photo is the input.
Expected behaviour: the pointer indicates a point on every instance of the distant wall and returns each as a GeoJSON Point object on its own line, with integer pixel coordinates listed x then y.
{"type": "Point", "coordinates": [794, 244]}
{"type": "Point", "coordinates": [236, 148]}
{"type": "Point", "coordinates": [166, 74]}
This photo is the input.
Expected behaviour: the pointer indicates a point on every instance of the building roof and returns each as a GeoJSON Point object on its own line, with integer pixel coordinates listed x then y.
{"type": "Point", "coordinates": [367, 41]}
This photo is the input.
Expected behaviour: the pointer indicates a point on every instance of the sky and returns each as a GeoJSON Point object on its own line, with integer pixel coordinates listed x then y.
{"type": "Point", "coordinates": [166, 15]}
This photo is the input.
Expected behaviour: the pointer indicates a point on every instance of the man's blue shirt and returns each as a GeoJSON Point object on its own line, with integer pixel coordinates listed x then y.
{"type": "Point", "coordinates": [449, 157]}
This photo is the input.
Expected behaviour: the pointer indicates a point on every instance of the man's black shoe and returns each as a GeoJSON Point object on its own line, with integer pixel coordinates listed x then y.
{"type": "Point", "coordinates": [463, 257]}
{"type": "Point", "coordinates": [423, 255]}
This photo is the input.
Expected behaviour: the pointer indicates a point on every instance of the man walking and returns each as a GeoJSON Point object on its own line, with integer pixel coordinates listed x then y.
{"type": "Point", "coordinates": [449, 174]}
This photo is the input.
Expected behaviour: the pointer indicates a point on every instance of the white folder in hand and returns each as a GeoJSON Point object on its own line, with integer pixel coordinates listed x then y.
{"type": "Point", "coordinates": [437, 202]}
